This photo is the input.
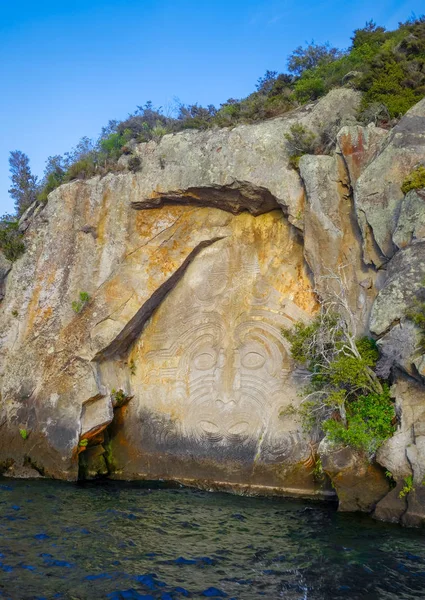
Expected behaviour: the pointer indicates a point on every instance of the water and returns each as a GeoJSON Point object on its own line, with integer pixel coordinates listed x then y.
{"type": "Point", "coordinates": [115, 540]}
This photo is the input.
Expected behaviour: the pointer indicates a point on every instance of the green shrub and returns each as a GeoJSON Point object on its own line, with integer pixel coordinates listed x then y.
{"type": "Point", "coordinates": [370, 421]}
{"type": "Point", "coordinates": [309, 88]}
{"type": "Point", "coordinates": [78, 305]}
{"type": "Point", "coordinates": [53, 181]}
{"type": "Point", "coordinates": [415, 180]}
{"type": "Point", "coordinates": [300, 141]}
{"type": "Point", "coordinates": [229, 113]}
{"type": "Point", "coordinates": [24, 433]}
{"type": "Point", "coordinates": [112, 146]}
{"type": "Point", "coordinates": [11, 240]}
{"type": "Point", "coordinates": [374, 112]}
{"type": "Point", "coordinates": [385, 83]}
{"type": "Point", "coordinates": [82, 169]}
{"type": "Point", "coordinates": [83, 443]}
{"type": "Point", "coordinates": [417, 314]}
{"type": "Point", "coordinates": [408, 487]}
{"type": "Point", "coordinates": [389, 68]}
{"type": "Point", "coordinates": [344, 398]}
{"type": "Point", "coordinates": [277, 105]}
{"type": "Point", "coordinates": [395, 75]}
{"type": "Point", "coordinates": [119, 398]}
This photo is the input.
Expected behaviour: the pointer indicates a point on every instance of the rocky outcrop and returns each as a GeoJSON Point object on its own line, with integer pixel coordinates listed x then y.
{"type": "Point", "coordinates": [359, 145]}
{"type": "Point", "coordinates": [404, 458]}
{"type": "Point", "coordinates": [332, 241]}
{"type": "Point", "coordinates": [377, 190]}
{"type": "Point", "coordinates": [411, 221]}
{"type": "Point", "coordinates": [210, 167]}
{"type": "Point", "coordinates": [359, 484]}
{"type": "Point", "coordinates": [141, 331]}
{"type": "Point", "coordinates": [403, 279]}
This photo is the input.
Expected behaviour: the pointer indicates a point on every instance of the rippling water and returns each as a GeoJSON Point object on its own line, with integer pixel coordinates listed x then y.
{"type": "Point", "coordinates": [114, 540]}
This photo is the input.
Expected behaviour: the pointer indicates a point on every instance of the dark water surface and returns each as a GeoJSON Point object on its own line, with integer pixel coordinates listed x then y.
{"type": "Point", "coordinates": [115, 540]}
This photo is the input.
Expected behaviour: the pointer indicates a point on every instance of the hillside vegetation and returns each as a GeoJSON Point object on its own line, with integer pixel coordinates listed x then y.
{"type": "Point", "coordinates": [387, 66]}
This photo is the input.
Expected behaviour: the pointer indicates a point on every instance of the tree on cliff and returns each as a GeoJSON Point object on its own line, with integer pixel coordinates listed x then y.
{"type": "Point", "coordinates": [312, 56]}
{"type": "Point", "coordinates": [24, 183]}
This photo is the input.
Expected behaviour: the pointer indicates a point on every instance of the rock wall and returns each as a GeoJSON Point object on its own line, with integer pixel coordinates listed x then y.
{"type": "Point", "coordinates": [172, 364]}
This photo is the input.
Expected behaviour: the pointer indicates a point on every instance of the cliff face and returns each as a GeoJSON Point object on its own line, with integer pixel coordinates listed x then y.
{"type": "Point", "coordinates": [172, 364]}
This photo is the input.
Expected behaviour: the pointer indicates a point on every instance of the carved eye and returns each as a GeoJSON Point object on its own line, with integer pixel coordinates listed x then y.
{"type": "Point", "coordinates": [239, 428]}
{"type": "Point", "coordinates": [205, 361]}
{"type": "Point", "coordinates": [208, 427]}
{"type": "Point", "coordinates": [253, 360]}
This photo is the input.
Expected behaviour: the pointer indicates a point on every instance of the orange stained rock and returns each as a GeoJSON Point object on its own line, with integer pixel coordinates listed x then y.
{"type": "Point", "coordinates": [32, 310]}
{"type": "Point", "coordinates": [354, 149]}
{"type": "Point", "coordinates": [102, 223]}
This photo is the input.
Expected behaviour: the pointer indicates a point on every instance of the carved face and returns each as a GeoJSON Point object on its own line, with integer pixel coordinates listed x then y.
{"type": "Point", "coordinates": [232, 371]}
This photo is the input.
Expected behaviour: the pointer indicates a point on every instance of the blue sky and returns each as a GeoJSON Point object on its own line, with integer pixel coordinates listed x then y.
{"type": "Point", "coordinates": [67, 67]}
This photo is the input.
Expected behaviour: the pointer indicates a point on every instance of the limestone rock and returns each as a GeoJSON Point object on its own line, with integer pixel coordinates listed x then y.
{"type": "Point", "coordinates": [359, 145]}
{"type": "Point", "coordinates": [46, 360]}
{"type": "Point", "coordinates": [28, 216]}
{"type": "Point", "coordinates": [419, 363]}
{"type": "Point", "coordinates": [17, 471]}
{"type": "Point", "coordinates": [408, 404]}
{"type": "Point", "coordinates": [399, 348]}
{"type": "Point", "coordinates": [403, 455]}
{"type": "Point", "coordinates": [415, 514]}
{"type": "Point", "coordinates": [331, 235]}
{"type": "Point", "coordinates": [98, 237]}
{"type": "Point", "coordinates": [181, 165]}
{"type": "Point", "coordinates": [411, 222]}
{"type": "Point", "coordinates": [96, 415]}
{"type": "Point", "coordinates": [378, 194]}
{"type": "Point", "coordinates": [358, 483]}
{"type": "Point", "coordinates": [391, 508]}
{"type": "Point", "coordinates": [405, 273]}
{"type": "Point", "coordinates": [5, 266]}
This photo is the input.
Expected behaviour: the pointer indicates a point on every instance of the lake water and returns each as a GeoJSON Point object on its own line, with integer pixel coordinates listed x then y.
{"type": "Point", "coordinates": [116, 540]}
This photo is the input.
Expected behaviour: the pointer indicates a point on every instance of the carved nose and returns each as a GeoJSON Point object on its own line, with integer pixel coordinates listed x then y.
{"type": "Point", "coordinates": [226, 399]}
